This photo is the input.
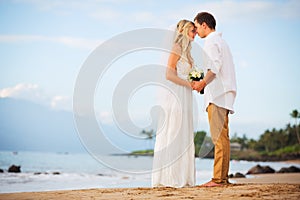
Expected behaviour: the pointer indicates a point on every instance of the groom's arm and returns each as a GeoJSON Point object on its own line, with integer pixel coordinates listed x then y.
{"type": "Point", "coordinates": [209, 77]}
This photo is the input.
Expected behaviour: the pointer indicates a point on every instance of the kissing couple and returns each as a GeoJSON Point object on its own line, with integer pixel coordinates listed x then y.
{"type": "Point", "coordinates": [174, 151]}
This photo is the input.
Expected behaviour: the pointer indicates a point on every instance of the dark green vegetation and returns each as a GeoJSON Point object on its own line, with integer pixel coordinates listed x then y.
{"type": "Point", "coordinates": [272, 145]}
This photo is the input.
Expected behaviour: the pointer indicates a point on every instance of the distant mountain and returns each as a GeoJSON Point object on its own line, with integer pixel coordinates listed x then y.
{"type": "Point", "coordinates": [29, 126]}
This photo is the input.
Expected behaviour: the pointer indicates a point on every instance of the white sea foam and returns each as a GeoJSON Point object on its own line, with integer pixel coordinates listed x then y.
{"type": "Point", "coordinates": [81, 171]}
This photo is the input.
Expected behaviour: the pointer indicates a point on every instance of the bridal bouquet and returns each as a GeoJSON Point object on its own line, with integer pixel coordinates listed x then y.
{"type": "Point", "coordinates": [196, 75]}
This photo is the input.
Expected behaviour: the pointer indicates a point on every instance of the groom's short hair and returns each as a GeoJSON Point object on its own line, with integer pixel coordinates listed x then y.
{"type": "Point", "coordinates": [207, 18]}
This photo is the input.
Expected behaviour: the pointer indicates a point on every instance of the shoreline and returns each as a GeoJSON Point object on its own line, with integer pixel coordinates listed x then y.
{"type": "Point", "coordinates": [271, 178]}
{"type": "Point", "coordinates": [266, 159]}
{"type": "Point", "coordinates": [273, 186]}
{"type": "Point", "coordinates": [296, 161]}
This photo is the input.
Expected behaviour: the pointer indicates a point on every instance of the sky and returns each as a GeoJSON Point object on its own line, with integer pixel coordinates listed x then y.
{"type": "Point", "coordinates": [43, 45]}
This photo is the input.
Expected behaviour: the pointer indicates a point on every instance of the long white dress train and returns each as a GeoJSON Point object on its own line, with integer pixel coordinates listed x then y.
{"type": "Point", "coordinates": [174, 151]}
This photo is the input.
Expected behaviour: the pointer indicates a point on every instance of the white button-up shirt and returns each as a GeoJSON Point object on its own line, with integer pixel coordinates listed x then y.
{"type": "Point", "coordinates": [221, 91]}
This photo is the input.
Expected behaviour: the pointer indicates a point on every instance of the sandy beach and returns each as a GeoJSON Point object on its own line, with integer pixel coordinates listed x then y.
{"type": "Point", "coordinates": [269, 186]}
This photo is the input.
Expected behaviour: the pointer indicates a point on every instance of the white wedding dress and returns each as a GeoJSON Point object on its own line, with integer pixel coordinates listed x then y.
{"type": "Point", "coordinates": [174, 151]}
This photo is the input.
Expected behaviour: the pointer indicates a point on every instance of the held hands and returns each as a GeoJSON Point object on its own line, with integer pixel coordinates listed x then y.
{"type": "Point", "coordinates": [198, 85]}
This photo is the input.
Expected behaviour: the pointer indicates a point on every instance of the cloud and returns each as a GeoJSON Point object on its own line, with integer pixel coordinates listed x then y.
{"type": "Point", "coordinates": [61, 103]}
{"type": "Point", "coordinates": [105, 117]}
{"type": "Point", "coordinates": [134, 13]}
{"type": "Point", "coordinates": [224, 11]}
{"type": "Point", "coordinates": [34, 93]}
{"type": "Point", "coordinates": [98, 9]}
{"type": "Point", "coordinates": [231, 11]}
{"type": "Point", "coordinates": [68, 41]}
{"type": "Point", "coordinates": [25, 91]}
{"type": "Point", "coordinates": [144, 16]}
{"type": "Point", "coordinates": [105, 15]}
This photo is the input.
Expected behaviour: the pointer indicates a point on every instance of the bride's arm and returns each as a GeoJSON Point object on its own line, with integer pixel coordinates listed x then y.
{"type": "Point", "coordinates": [171, 73]}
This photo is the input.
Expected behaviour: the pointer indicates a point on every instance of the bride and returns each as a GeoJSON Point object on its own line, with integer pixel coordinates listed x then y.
{"type": "Point", "coordinates": [174, 151]}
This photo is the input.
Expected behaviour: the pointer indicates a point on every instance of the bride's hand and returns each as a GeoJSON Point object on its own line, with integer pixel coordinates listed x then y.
{"type": "Point", "coordinates": [190, 84]}
{"type": "Point", "coordinates": [199, 85]}
{"type": "Point", "coordinates": [195, 85]}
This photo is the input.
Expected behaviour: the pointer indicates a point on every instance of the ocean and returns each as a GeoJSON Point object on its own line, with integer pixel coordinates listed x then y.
{"type": "Point", "coordinates": [42, 171]}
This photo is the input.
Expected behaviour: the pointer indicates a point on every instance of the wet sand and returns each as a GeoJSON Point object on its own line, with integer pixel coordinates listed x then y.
{"type": "Point", "coordinates": [269, 186]}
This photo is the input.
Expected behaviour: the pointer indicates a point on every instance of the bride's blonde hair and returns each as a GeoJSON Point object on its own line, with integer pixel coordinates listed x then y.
{"type": "Point", "coordinates": [182, 38]}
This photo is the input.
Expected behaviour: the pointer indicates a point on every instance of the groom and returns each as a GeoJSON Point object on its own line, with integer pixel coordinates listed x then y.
{"type": "Point", "coordinates": [219, 94]}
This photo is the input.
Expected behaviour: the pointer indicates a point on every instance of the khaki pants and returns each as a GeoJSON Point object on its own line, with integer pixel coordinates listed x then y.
{"type": "Point", "coordinates": [218, 121]}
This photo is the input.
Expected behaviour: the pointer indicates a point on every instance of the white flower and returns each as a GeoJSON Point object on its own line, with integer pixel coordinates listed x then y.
{"type": "Point", "coordinates": [195, 74]}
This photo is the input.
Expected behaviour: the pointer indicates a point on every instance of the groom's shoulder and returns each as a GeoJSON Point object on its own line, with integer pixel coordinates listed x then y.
{"type": "Point", "coordinates": [213, 39]}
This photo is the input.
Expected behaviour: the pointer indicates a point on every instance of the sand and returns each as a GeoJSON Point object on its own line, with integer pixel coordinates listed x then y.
{"type": "Point", "coordinates": [269, 186]}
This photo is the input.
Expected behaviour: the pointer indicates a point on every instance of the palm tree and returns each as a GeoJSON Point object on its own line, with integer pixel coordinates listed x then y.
{"type": "Point", "coordinates": [295, 114]}
{"type": "Point", "coordinates": [149, 135]}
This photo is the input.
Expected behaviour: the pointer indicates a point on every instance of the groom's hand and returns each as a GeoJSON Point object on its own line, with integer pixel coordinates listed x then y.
{"type": "Point", "coordinates": [198, 85]}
